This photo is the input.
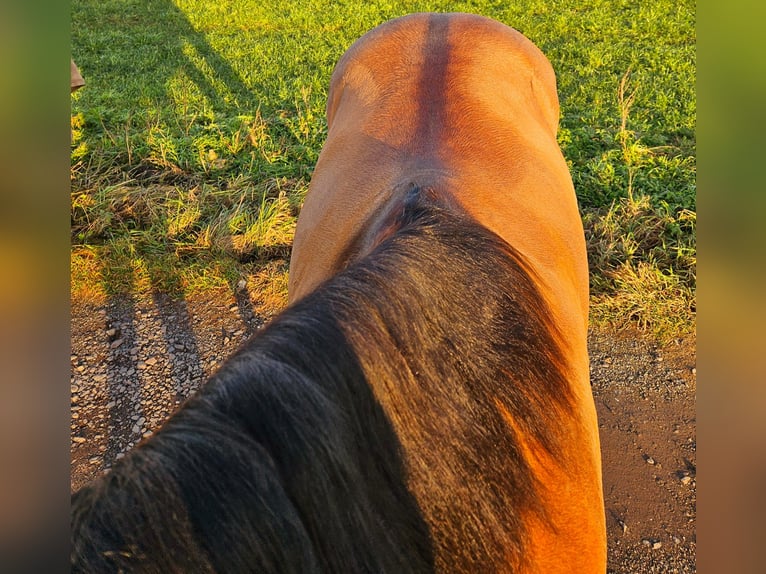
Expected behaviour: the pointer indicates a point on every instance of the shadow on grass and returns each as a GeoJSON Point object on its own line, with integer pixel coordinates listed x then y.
{"type": "Point", "coordinates": [141, 46]}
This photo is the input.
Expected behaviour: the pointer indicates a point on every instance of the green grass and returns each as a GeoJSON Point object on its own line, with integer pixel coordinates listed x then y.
{"type": "Point", "coordinates": [200, 123]}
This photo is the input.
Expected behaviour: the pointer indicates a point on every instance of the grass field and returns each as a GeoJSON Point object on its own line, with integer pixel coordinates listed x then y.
{"type": "Point", "coordinates": [194, 139]}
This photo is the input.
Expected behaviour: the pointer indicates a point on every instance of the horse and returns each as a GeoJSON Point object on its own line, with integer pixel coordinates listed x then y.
{"type": "Point", "coordinates": [423, 403]}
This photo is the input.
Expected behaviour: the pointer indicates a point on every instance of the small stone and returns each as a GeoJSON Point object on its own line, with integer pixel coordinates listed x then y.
{"type": "Point", "coordinates": [79, 439]}
{"type": "Point", "coordinates": [241, 284]}
{"type": "Point", "coordinates": [649, 460]}
{"type": "Point", "coordinates": [136, 429]}
{"type": "Point", "coordinates": [151, 360]}
{"type": "Point", "coordinates": [623, 526]}
{"type": "Point", "coordinates": [694, 370]}
{"type": "Point", "coordinates": [80, 368]}
{"type": "Point", "coordinates": [653, 544]}
{"type": "Point", "coordinates": [116, 343]}
{"type": "Point", "coordinates": [74, 389]}
{"type": "Point", "coordinates": [119, 455]}
{"type": "Point", "coordinates": [94, 459]}
{"type": "Point", "coordinates": [111, 332]}
{"type": "Point", "coordinates": [686, 479]}
{"type": "Point", "coordinates": [676, 540]}
{"type": "Point", "coordinates": [111, 404]}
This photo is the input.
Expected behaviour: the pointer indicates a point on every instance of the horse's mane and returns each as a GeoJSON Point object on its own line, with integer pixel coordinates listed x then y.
{"type": "Point", "coordinates": [377, 425]}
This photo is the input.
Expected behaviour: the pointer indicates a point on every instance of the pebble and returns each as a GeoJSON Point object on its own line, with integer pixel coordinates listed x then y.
{"type": "Point", "coordinates": [653, 544]}
{"type": "Point", "coordinates": [649, 460]}
{"type": "Point", "coordinates": [116, 343]}
{"type": "Point", "coordinates": [686, 479]}
{"type": "Point", "coordinates": [79, 439]}
{"type": "Point", "coordinates": [623, 526]}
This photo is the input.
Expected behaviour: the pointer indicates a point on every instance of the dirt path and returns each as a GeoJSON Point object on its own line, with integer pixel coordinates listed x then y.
{"type": "Point", "coordinates": [133, 362]}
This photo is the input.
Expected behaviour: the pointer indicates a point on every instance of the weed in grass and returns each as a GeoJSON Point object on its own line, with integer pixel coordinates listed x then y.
{"type": "Point", "coordinates": [642, 250]}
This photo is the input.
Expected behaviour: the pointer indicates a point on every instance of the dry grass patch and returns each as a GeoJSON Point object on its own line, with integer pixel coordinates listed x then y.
{"type": "Point", "coordinates": [643, 265]}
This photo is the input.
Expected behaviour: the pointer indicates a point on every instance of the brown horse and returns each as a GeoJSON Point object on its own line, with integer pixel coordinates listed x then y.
{"type": "Point", "coordinates": [423, 405]}
{"type": "Point", "coordinates": [466, 108]}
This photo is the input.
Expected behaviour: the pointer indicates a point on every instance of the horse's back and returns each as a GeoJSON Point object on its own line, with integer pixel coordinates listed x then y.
{"type": "Point", "coordinates": [460, 104]}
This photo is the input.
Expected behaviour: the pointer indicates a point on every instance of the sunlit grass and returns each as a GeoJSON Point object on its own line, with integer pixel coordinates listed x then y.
{"type": "Point", "coordinates": [195, 137]}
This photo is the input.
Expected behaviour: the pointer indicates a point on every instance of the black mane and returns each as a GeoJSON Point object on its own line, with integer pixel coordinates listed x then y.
{"type": "Point", "coordinates": [364, 430]}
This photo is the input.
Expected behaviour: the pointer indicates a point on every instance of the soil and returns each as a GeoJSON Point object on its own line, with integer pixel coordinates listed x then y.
{"type": "Point", "coordinates": [135, 360]}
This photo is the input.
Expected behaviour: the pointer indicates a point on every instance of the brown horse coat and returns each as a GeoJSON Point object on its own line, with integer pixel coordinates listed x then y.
{"type": "Point", "coordinates": [466, 108]}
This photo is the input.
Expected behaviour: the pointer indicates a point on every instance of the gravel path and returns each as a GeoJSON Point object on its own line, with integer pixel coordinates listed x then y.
{"type": "Point", "coordinates": [134, 361]}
